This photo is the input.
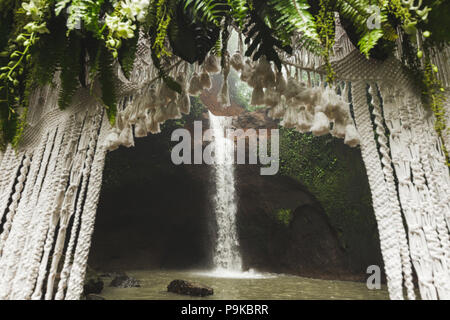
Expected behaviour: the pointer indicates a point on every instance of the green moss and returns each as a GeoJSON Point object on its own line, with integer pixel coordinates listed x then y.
{"type": "Point", "coordinates": [335, 174]}
{"type": "Point", "coordinates": [284, 216]}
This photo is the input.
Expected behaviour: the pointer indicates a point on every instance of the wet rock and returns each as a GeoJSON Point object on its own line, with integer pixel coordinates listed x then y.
{"type": "Point", "coordinates": [124, 281]}
{"type": "Point", "coordinates": [189, 288]}
{"type": "Point", "coordinates": [92, 283]}
{"type": "Point", "coordinates": [94, 297]}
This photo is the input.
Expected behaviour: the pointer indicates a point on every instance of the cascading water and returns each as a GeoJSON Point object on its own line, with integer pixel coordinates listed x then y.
{"type": "Point", "coordinates": [226, 254]}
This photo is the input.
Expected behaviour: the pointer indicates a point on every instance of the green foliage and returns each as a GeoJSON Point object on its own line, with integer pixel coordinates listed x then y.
{"type": "Point", "coordinates": [107, 81]}
{"type": "Point", "coordinates": [127, 54]}
{"type": "Point", "coordinates": [284, 216]}
{"type": "Point", "coordinates": [161, 14]}
{"type": "Point", "coordinates": [293, 16]}
{"type": "Point", "coordinates": [326, 31]}
{"type": "Point", "coordinates": [438, 22]}
{"type": "Point", "coordinates": [335, 175]}
{"type": "Point", "coordinates": [49, 51]}
{"type": "Point", "coordinates": [435, 98]}
{"type": "Point", "coordinates": [86, 11]}
{"type": "Point", "coordinates": [369, 41]}
{"type": "Point", "coordinates": [14, 73]}
{"type": "Point", "coordinates": [261, 42]}
{"type": "Point", "coordinates": [70, 70]}
{"type": "Point", "coordinates": [40, 37]}
{"type": "Point", "coordinates": [208, 10]}
{"type": "Point", "coordinates": [239, 10]}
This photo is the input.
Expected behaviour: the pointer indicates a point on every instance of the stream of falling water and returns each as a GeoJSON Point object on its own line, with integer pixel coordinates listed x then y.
{"type": "Point", "coordinates": [227, 257]}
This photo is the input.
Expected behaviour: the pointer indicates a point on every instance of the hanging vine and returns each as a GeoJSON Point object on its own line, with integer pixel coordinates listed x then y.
{"type": "Point", "coordinates": [325, 28]}
{"type": "Point", "coordinates": [83, 39]}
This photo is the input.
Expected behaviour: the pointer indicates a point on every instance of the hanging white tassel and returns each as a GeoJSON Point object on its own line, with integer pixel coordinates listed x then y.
{"type": "Point", "coordinates": [211, 64]}
{"type": "Point", "coordinates": [277, 112]}
{"type": "Point", "coordinates": [152, 125]}
{"type": "Point", "coordinates": [309, 97]}
{"type": "Point", "coordinates": [265, 73]}
{"type": "Point", "coordinates": [257, 96]}
{"type": "Point", "coordinates": [205, 80]}
{"type": "Point", "coordinates": [237, 62]}
{"type": "Point", "coordinates": [304, 120]}
{"type": "Point", "coordinates": [335, 107]}
{"type": "Point", "coordinates": [352, 137]}
{"type": "Point", "coordinates": [290, 118]}
{"type": "Point", "coordinates": [272, 97]}
{"type": "Point", "coordinates": [255, 81]}
{"type": "Point", "coordinates": [172, 111]}
{"type": "Point", "coordinates": [224, 97]}
{"type": "Point", "coordinates": [132, 119]}
{"type": "Point", "coordinates": [181, 79]}
{"type": "Point", "coordinates": [167, 94]}
{"type": "Point", "coordinates": [120, 122]}
{"type": "Point", "coordinates": [247, 71]}
{"type": "Point", "coordinates": [151, 99]}
{"type": "Point", "coordinates": [112, 141]}
{"type": "Point", "coordinates": [321, 124]}
{"type": "Point", "coordinates": [126, 137]}
{"type": "Point", "coordinates": [195, 86]}
{"type": "Point", "coordinates": [140, 130]}
{"type": "Point", "coordinates": [339, 129]}
{"type": "Point", "coordinates": [280, 83]}
{"type": "Point", "coordinates": [294, 88]}
{"type": "Point", "coordinates": [160, 115]}
{"type": "Point", "coordinates": [185, 104]}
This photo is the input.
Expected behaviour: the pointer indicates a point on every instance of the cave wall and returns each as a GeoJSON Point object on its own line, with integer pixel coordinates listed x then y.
{"type": "Point", "coordinates": [153, 214]}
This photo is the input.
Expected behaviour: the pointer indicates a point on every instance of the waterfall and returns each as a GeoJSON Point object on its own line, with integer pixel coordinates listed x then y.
{"type": "Point", "coordinates": [226, 254]}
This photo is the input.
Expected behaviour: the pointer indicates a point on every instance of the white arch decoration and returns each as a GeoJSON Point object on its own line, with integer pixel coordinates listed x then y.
{"type": "Point", "coordinates": [56, 174]}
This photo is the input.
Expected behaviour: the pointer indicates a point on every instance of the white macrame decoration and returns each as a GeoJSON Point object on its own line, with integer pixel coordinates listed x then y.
{"type": "Point", "coordinates": [50, 185]}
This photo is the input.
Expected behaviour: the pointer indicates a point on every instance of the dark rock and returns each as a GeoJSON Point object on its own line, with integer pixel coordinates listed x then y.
{"type": "Point", "coordinates": [309, 242]}
{"type": "Point", "coordinates": [92, 282]}
{"type": "Point", "coordinates": [106, 275]}
{"type": "Point", "coordinates": [124, 281]}
{"type": "Point", "coordinates": [94, 297]}
{"type": "Point", "coordinates": [189, 288]}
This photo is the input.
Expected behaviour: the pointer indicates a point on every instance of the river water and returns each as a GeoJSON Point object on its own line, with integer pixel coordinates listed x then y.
{"type": "Point", "coordinates": [251, 286]}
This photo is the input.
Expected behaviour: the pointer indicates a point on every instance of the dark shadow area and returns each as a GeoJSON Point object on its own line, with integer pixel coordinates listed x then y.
{"type": "Point", "coordinates": [151, 214]}
{"type": "Point", "coordinates": [156, 215]}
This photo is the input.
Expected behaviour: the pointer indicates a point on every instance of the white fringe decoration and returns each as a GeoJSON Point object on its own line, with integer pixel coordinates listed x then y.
{"type": "Point", "coordinates": [53, 180]}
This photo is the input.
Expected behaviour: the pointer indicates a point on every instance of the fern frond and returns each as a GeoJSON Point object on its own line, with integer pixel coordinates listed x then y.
{"type": "Point", "coordinates": [239, 10]}
{"type": "Point", "coordinates": [208, 10]}
{"type": "Point", "coordinates": [107, 80]}
{"type": "Point", "coordinates": [127, 54]}
{"type": "Point", "coordinates": [294, 17]}
{"type": "Point", "coordinates": [49, 51]}
{"type": "Point", "coordinates": [70, 70]}
{"type": "Point", "coordinates": [86, 11]}
{"type": "Point", "coordinates": [357, 11]}
{"type": "Point", "coordinates": [260, 40]}
{"type": "Point", "coordinates": [369, 41]}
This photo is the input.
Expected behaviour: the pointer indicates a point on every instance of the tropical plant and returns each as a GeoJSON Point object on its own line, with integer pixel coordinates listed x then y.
{"type": "Point", "coordinates": [83, 39]}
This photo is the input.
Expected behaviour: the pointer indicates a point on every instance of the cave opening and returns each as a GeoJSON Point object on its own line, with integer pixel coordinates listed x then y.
{"type": "Point", "coordinates": [152, 214]}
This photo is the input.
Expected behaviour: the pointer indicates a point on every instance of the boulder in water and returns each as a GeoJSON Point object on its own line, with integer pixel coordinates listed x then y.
{"type": "Point", "coordinates": [92, 282]}
{"type": "Point", "coordinates": [124, 281]}
{"type": "Point", "coordinates": [189, 288]}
